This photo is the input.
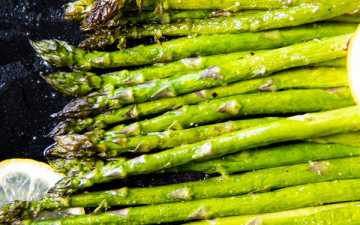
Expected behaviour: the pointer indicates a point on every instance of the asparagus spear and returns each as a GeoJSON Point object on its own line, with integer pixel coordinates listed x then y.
{"type": "Point", "coordinates": [241, 162]}
{"type": "Point", "coordinates": [280, 200]}
{"type": "Point", "coordinates": [266, 20]}
{"type": "Point", "coordinates": [300, 78]}
{"type": "Point", "coordinates": [344, 213]}
{"type": "Point", "coordinates": [103, 11]}
{"type": "Point", "coordinates": [257, 181]}
{"type": "Point", "coordinates": [249, 67]}
{"type": "Point", "coordinates": [286, 129]}
{"type": "Point", "coordinates": [335, 146]}
{"type": "Point", "coordinates": [141, 144]}
{"type": "Point", "coordinates": [59, 53]}
{"type": "Point", "coordinates": [80, 83]}
{"type": "Point", "coordinates": [180, 16]}
{"type": "Point", "coordinates": [285, 102]}
{"type": "Point", "coordinates": [80, 8]}
{"type": "Point", "coordinates": [275, 156]}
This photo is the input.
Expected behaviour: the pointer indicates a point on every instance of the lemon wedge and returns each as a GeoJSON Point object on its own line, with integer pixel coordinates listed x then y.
{"type": "Point", "coordinates": [354, 66]}
{"type": "Point", "coordinates": [25, 180]}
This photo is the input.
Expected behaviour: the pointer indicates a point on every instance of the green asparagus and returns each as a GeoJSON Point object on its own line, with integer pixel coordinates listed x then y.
{"type": "Point", "coordinates": [257, 181]}
{"type": "Point", "coordinates": [180, 16]}
{"type": "Point", "coordinates": [280, 200]}
{"type": "Point", "coordinates": [293, 79]}
{"type": "Point", "coordinates": [284, 102]}
{"type": "Point", "coordinates": [286, 129]}
{"type": "Point", "coordinates": [101, 12]}
{"type": "Point", "coordinates": [272, 157]}
{"type": "Point", "coordinates": [241, 162]}
{"type": "Point", "coordinates": [142, 144]}
{"type": "Point", "coordinates": [266, 20]}
{"type": "Point", "coordinates": [250, 67]}
{"type": "Point", "coordinates": [61, 54]}
{"type": "Point", "coordinates": [81, 83]}
{"type": "Point", "coordinates": [335, 214]}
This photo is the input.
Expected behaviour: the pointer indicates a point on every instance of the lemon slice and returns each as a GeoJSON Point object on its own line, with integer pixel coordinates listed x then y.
{"type": "Point", "coordinates": [25, 180]}
{"type": "Point", "coordinates": [354, 66]}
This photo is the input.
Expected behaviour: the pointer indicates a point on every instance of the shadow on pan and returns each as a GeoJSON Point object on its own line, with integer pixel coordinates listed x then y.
{"type": "Point", "coordinates": [26, 101]}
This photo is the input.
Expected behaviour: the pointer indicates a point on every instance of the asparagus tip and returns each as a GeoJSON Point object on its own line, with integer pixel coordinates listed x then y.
{"type": "Point", "coordinates": [77, 108]}
{"type": "Point", "coordinates": [10, 213]}
{"type": "Point", "coordinates": [102, 11]}
{"type": "Point", "coordinates": [60, 129]}
{"type": "Point", "coordinates": [71, 145]}
{"type": "Point", "coordinates": [74, 83]}
{"type": "Point", "coordinates": [56, 52]}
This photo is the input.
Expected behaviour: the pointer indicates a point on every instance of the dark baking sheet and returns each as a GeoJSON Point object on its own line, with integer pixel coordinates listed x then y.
{"type": "Point", "coordinates": [26, 101]}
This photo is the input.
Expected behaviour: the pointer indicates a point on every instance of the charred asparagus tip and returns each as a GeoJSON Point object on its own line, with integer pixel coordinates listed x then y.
{"type": "Point", "coordinates": [77, 108]}
{"type": "Point", "coordinates": [102, 11]}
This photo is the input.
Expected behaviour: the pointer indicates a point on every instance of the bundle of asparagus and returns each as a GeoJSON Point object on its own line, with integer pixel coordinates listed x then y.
{"type": "Point", "coordinates": [254, 94]}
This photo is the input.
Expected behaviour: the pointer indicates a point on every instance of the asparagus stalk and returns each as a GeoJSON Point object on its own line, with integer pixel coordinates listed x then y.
{"type": "Point", "coordinates": [101, 40]}
{"type": "Point", "coordinates": [285, 102]}
{"type": "Point", "coordinates": [331, 147]}
{"type": "Point", "coordinates": [345, 213]}
{"type": "Point", "coordinates": [250, 67]}
{"type": "Point", "coordinates": [257, 181]}
{"type": "Point", "coordinates": [80, 8]}
{"type": "Point", "coordinates": [266, 20]}
{"type": "Point", "coordinates": [81, 83]}
{"type": "Point", "coordinates": [286, 129]}
{"type": "Point", "coordinates": [142, 144]}
{"type": "Point", "coordinates": [276, 156]}
{"type": "Point", "coordinates": [262, 158]}
{"type": "Point", "coordinates": [280, 200]}
{"type": "Point", "coordinates": [293, 79]}
{"type": "Point", "coordinates": [102, 12]}
{"type": "Point", "coordinates": [61, 54]}
{"type": "Point", "coordinates": [190, 15]}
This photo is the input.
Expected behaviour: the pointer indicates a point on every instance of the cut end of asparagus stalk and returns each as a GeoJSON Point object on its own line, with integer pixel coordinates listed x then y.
{"type": "Point", "coordinates": [102, 11]}
{"type": "Point", "coordinates": [74, 83]}
{"type": "Point", "coordinates": [55, 52]}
